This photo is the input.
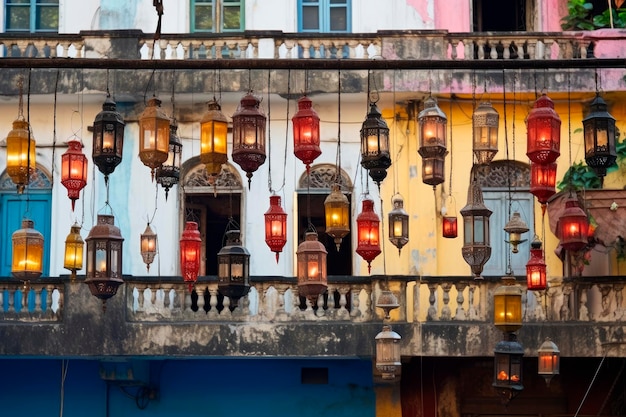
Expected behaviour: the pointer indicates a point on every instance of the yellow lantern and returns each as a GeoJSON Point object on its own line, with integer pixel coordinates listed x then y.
{"type": "Point", "coordinates": [74, 247]}
{"type": "Point", "coordinates": [337, 210]}
{"type": "Point", "coordinates": [213, 138]}
{"type": "Point", "coordinates": [27, 258]}
{"type": "Point", "coordinates": [20, 154]}
{"type": "Point", "coordinates": [154, 135]}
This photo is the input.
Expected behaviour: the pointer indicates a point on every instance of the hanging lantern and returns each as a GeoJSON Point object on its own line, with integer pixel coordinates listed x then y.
{"type": "Point", "coordinates": [485, 121]}
{"type": "Point", "coordinates": [74, 247]}
{"type": "Point", "coordinates": [398, 223]}
{"type": "Point", "coordinates": [476, 250]}
{"type": "Point", "coordinates": [104, 258]}
{"type": "Point", "coordinates": [337, 212]}
{"type": "Point", "coordinates": [168, 174]}
{"type": "Point", "coordinates": [312, 280]}
{"type": "Point", "coordinates": [275, 226]}
{"type": "Point", "coordinates": [599, 128]}
{"type": "Point", "coordinates": [213, 139]}
{"type": "Point", "coordinates": [536, 267]}
{"type": "Point", "coordinates": [573, 226]}
{"type": "Point", "coordinates": [543, 129]}
{"type": "Point", "coordinates": [548, 358]}
{"type": "Point", "coordinates": [108, 138]}
{"type": "Point", "coordinates": [515, 227]}
{"type": "Point", "coordinates": [21, 153]}
{"type": "Point", "coordinates": [507, 305]}
{"type": "Point", "coordinates": [154, 136]}
{"type": "Point", "coordinates": [190, 252]}
{"type": "Point", "coordinates": [74, 170]}
{"type": "Point", "coordinates": [375, 145]}
{"type": "Point", "coordinates": [233, 268]}
{"type": "Point", "coordinates": [507, 370]}
{"type": "Point", "coordinates": [249, 135]}
{"type": "Point", "coordinates": [388, 352]}
{"type": "Point", "coordinates": [148, 246]}
{"type": "Point", "coordinates": [450, 227]}
{"type": "Point", "coordinates": [432, 140]}
{"type": "Point", "coordinates": [27, 259]}
{"type": "Point", "coordinates": [367, 223]}
{"type": "Point", "coordinates": [542, 181]}
{"type": "Point", "coordinates": [306, 132]}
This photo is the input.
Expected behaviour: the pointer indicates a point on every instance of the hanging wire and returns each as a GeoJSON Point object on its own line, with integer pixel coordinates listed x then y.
{"type": "Point", "coordinates": [338, 160]}
{"type": "Point", "coordinates": [282, 185]}
{"type": "Point", "coordinates": [28, 173]}
{"type": "Point", "coordinates": [509, 270]}
{"type": "Point", "coordinates": [54, 127]}
{"type": "Point", "coordinates": [269, 131]}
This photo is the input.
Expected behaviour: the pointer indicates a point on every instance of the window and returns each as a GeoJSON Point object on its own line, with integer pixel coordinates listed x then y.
{"type": "Point", "coordinates": [217, 16]}
{"type": "Point", "coordinates": [311, 197]}
{"type": "Point", "coordinates": [324, 16]}
{"type": "Point", "coordinates": [32, 15]}
{"type": "Point", "coordinates": [502, 16]}
{"type": "Point", "coordinates": [495, 187]}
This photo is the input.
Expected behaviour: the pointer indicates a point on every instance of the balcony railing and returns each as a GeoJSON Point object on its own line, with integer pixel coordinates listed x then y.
{"type": "Point", "coordinates": [278, 45]}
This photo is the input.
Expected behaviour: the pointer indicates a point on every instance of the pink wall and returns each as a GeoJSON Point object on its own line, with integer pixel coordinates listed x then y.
{"type": "Point", "coordinates": [551, 12]}
{"type": "Point", "coordinates": [451, 15]}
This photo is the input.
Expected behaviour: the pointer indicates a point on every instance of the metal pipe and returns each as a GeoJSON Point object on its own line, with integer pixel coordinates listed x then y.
{"type": "Point", "coordinates": [310, 64]}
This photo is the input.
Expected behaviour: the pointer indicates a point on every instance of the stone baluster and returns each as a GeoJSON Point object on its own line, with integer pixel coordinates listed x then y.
{"type": "Point", "coordinates": [619, 300]}
{"type": "Point", "coordinates": [38, 294]}
{"type": "Point", "coordinates": [446, 313]}
{"type": "Point", "coordinates": [280, 308]}
{"type": "Point", "coordinates": [432, 299]}
{"type": "Point", "coordinates": [343, 302]}
{"type": "Point", "coordinates": [469, 48]}
{"type": "Point", "coordinates": [2, 291]}
{"type": "Point", "coordinates": [416, 302]}
{"type": "Point", "coordinates": [355, 303]}
{"type": "Point", "coordinates": [540, 311]}
{"type": "Point", "coordinates": [566, 311]}
{"type": "Point", "coordinates": [11, 294]}
{"type": "Point", "coordinates": [605, 292]}
{"type": "Point", "coordinates": [187, 297]}
{"type": "Point", "coordinates": [213, 313]}
{"type": "Point", "coordinates": [320, 306]}
{"type": "Point", "coordinates": [460, 300]}
{"type": "Point", "coordinates": [226, 314]}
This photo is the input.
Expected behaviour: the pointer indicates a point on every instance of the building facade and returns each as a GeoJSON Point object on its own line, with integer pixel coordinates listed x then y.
{"type": "Point", "coordinates": [163, 347]}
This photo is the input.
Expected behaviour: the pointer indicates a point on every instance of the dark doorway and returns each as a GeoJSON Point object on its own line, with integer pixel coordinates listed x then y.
{"type": "Point", "coordinates": [500, 15]}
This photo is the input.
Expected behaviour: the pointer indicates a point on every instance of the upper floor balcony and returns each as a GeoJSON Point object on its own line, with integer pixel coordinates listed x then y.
{"type": "Point", "coordinates": [438, 316]}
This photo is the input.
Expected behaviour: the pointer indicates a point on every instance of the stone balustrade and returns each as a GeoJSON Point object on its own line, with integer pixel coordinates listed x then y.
{"type": "Point", "coordinates": [278, 45]}
{"type": "Point", "coordinates": [37, 302]}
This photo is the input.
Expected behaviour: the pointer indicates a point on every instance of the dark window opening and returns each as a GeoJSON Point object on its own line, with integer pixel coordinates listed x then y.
{"type": "Point", "coordinates": [500, 16]}
{"type": "Point", "coordinates": [213, 214]}
{"type": "Point", "coordinates": [337, 262]}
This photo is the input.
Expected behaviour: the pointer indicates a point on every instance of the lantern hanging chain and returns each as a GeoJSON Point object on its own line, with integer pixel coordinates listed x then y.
{"type": "Point", "coordinates": [338, 156]}
{"type": "Point", "coordinates": [569, 129]}
{"type": "Point", "coordinates": [395, 133]}
{"type": "Point", "coordinates": [473, 105]}
{"type": "Point", "coordinates": [173, 95]}
{"type": "Point", "coordinates": [382, 231]}
{"type": "Point", "coordinates": [509, 270]}
{"type": "Point", "coordinates": [450, 134]}
{"type": "Point", "coordinates": [150, 80]}
{"type": "Point", "coordinates": [54, 126]}
{"type": "Point", "coordinates": [30, 135]}
{"type": "Point", "coordinates": [282, 185]}
{"type": "Point", "coordinates": [269, 132]}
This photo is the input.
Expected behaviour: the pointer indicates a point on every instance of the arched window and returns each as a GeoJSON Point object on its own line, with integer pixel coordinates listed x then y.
{"type": "Point", "coordinates": [212, 205]}
{"type": "Point", "coordinates": [506, 183]}
{"type": "Point", "coordinates": [36, 204]}
{"type": "Point", "coordinates": [312, 191]}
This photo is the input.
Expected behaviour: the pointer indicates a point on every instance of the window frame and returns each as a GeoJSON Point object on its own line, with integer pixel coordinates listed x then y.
{"type": "Point", "coordinates": [34, 6]}
{"type": "Point", "coordinates": [324, 12]}
{"type": "Point", "coordinates": [218, 18]}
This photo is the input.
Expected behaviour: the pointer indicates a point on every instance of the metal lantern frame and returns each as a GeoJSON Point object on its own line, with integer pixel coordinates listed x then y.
{"type": "Point", "coordinates": [543, 131]}
{"type": "Point", "coordinates": [104, 258]}
{"type": "Point", "coordinates": [536, 267]}
{"type": "Point", "coordinates": [599, 132]}
{"type": "Point", "coordinates": [398, 223]}
{"type": "Point", "coordinates": [508, 366]}
{"type": "Point", "coordinates": [190, 253]}
{"type": "Point", "coordinates": [515, 228]}
{"type": "Point", "coordinates": [74, 250]}
{"type": "Point", "coordinates": [573, 226]}
{"type": "Point", "coordinates": [168, 174]}
{"type": "Point", "coordinates": [108, 138]}
{"type": "Point", "coordinates": [249, 135]}
{"type": "Point", "coordinates": [476, 250]}
{"type": "Point", "coordinates": [337, 214]}
{"type": "Point", "coordinates": [275, 226]}
{"type": "Point", "coordinates": [74, 170]}
{"type": "Point", "coordinates": [21, 154]}
{"type": "Point", "coordinates": [368, 233]}
{"type": "Point", "coordinates": [306, 132]}
{"type": "Point", "coordinates": [548, 360]}
{"type": "Point", "coordinates": [213, 139]}
{"type": "Point", "coordinates": [233, 272]}
{"type": "Point", "coordinates": [485, 123]}
{"type": "Point", "coordinates": [311, 260]}
{"type": "Point", "coordinates": [154, 135]}
{"type": "Point", "coordinates": [507, 305]}
{"type": "Point", "coordinates": [27, 252]}
{"type": "Point", "coordinates": [375, 155]}
{"type": "Point", "coordinates": [432, 131]}
{"type": "Point", "coordinates": [148, 246]}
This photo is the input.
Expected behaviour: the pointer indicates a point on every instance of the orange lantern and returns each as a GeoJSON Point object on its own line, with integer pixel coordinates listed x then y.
{"type": "Point", "coordinates": [450, 227]}
{"type": "Point", "coordinates": [543, 130]}
{"type": "Point", "coordinates": [367, 223]}
{"type": "Point", "coordinates": [312, 278]}
{"type": "Point", "coordinates": [306, 132]}
{"type": "Point", "coordinates": [536, 267]}
{"type": "Point", "coordinates": [573, 226]}
{"type": "Point", "coordinates": [275, 226]}
{"type": "Point", "coordinates": [74, 170]}
{"type": "Point", "coordinates": [190, 243]}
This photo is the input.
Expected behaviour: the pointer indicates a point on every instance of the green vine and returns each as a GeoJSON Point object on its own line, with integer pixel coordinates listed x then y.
{"type": "Point", "coordinates": [580, 16]}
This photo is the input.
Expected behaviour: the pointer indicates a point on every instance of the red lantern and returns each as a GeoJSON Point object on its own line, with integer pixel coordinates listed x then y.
{"type": "Point", "coordinates": [190, 243]}
{"type": "Point", "coordinates": [275, 226]}
{"type": "Point", "coordinates": [573, 226]}
{"type": "Point", "coordinates": [306, 132]}
{"type": "Point", "coordinates": [367, 224]}
{"type": "Point", "coordinates": [450, 227]}
{"type": "Point", "coordinates": [249, 135]}
{"type": "Point", "coordinates": [542, 181]}
{"type": "Point", "coordinates": [543, 129]}
{"type": "Point", "coordinates": [74, 170]}
{"type": "Point", "coordinates": [536, 267]}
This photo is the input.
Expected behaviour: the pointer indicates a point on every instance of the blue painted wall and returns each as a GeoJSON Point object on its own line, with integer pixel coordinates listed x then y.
{"type": "Point", "coordinates": [193, 387]}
